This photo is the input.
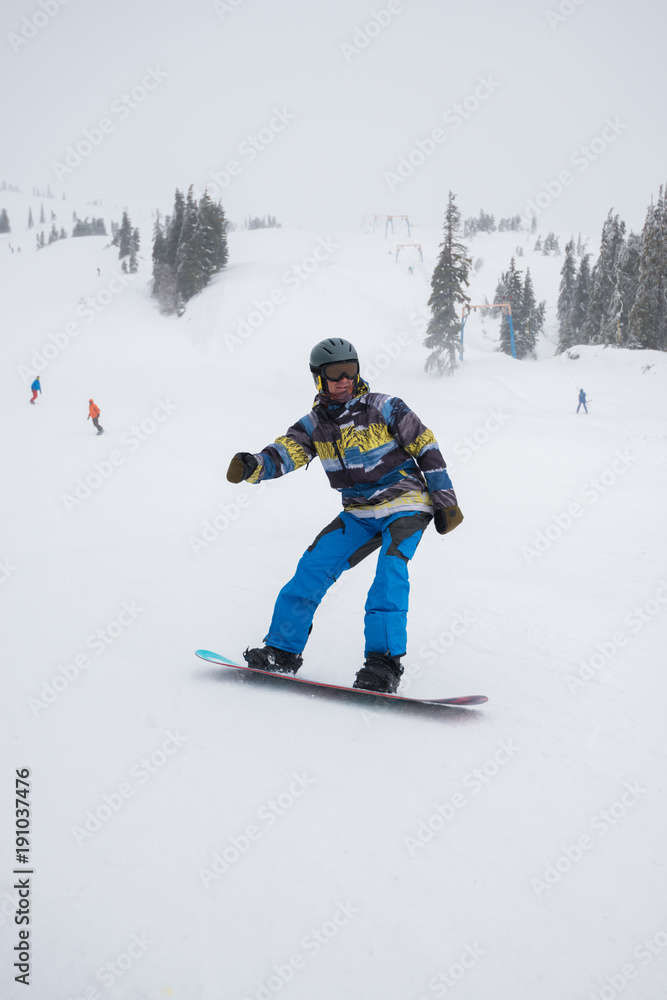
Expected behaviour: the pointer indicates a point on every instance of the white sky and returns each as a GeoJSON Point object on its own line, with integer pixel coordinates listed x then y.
{"type": "Point", "coordinates": [550, 90]}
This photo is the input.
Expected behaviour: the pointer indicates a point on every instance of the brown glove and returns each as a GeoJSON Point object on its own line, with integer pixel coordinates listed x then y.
{"type": "Point", "coordinates": [241, 466]}
{"type": "Point", "coordinates": [446, 519]}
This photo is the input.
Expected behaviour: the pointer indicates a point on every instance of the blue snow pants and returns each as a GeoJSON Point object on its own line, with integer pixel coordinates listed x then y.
{"type": "Point", "coordinates": [343, 544]}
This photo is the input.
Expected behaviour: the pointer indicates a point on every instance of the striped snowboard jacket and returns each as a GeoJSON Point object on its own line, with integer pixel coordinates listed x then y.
{"type": "Point", "coordinates": [374, 449]}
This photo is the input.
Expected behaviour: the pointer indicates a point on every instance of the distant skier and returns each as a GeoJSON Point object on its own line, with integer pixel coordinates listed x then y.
{"type": "Point", "coordinates": [582, 401]}
{"type": "Point", "coordinates": [94, 412]}
{"type": "Point", "coordinates": [36, 387]}
{"type": "Point", "coordinates": [393, 481]}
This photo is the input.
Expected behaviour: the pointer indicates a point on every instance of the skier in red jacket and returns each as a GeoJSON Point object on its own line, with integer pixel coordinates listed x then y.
{"type": "Point", "coordinates": [94, 412]}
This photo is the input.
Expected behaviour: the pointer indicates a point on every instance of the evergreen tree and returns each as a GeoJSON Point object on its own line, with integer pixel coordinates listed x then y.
{"type": "Point", "coordinates": [124, 241]}
{"type": "Point", "coordinates": [566, 296]}
{"type": "Point", "coordinates": [531, 319]}
{"type": "Point", "coordinates": [188, 277]}
{"type": "Point", "coordinates": [42, 217]}
{"type": "Point", "coordinates": [450, 275]}
{"type": "Point", "coordinates": [173, 230]}
{"type": "Point", "coordinates": [582, 294]}
{"type": "Point", "coordinates": [510, 289]}
{"type": "Point", "coordinates": [647, 324]}
{"type": "Point", "coordinates": [4, 222]}
{"type": "Point", "coordinates": [134, 250]}
{"type": "Point", "coordinates": [211, 241]}
{"type": "Point", "coordinates": [615, 323]}
{"type": "Point", "coordinates": [30, 222]}
{"type": "Point", "coordinates": [603, 283]}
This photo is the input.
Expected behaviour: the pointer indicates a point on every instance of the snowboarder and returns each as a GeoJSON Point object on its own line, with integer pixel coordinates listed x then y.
{"type": "Point", "coordinates": [36, 387]}
{"type": "Point", "coordinates": [582, 401]}
{"type": "Point", "coordinates": [393, 481]}
{"type": "Point", "coordinates": [94, 412]}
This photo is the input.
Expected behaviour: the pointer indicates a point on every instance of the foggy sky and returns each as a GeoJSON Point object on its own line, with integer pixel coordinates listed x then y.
{"type": "Point", "coordinates": [307, 110]}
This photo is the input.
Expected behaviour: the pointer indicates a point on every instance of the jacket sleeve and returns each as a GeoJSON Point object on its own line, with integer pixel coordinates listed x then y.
{"type": "Point", "coordinates": [287, 453]}
{"type": "Point", "coordinates": [420, 444]}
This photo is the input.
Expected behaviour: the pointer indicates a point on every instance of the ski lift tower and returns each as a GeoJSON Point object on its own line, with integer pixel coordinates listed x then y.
{"type": "Point", "coordinates": [507, 311]}
{"type": "Point", "coordinates": [389, 221]}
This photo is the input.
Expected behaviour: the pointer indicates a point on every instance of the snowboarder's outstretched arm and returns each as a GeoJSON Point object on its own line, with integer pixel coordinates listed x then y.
{"type": "Point", "coordinates": [287, 453]}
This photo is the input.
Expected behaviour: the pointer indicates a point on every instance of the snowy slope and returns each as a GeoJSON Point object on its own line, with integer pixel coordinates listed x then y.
{"type": "Point", "coordinates": [199, 835]}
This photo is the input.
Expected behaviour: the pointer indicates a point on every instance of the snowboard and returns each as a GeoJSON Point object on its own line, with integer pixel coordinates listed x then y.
{"type": "Point", "coordinates": [464, 701]}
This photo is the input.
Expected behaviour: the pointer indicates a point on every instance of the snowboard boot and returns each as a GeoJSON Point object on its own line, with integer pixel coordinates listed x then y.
{"type": "Point", "coordinates": [277, 661]}
{"type": "Point", "coordinates": [380, 673]}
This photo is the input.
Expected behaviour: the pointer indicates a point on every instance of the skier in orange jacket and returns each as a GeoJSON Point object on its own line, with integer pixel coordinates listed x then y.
{"type": "Point", "coordinates": [94, 412]}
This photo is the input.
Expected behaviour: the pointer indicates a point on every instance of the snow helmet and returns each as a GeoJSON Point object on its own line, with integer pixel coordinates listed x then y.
{"type": "Point", "coordinates": [329, 351]}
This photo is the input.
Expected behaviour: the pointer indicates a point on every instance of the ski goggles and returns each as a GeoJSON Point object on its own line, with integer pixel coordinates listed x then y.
{"type": "Point", "coordinates": [339, 370]}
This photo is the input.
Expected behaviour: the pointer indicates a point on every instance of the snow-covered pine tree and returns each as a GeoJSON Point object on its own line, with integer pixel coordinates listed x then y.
{"type": "Point", "coordinates": [449, 276]}
{"type": "Point", "coordinates": [613, 329]}
{"type": "Point", "coordinates": [603, 282]}
{"type": "Point", "coordinates": [566, 294]}
{"type": "Point", "coordinates": [211, 241]}
{"type": "Point", "coordinates": [647, 323]}
{"type": "Point", "coordinates": [511, 288]}
{"type": "Point", "coordinates": [188, 266]}
{"type": "Point", "coordinates": [582, 294]}
{"type": "Point", "coordinates": [125, 238]}
{"type": "Point", "coordinates": [30, 220]}
{"type": "Point", "coordinates": [133, 266]}
{"type": "Point", "coordinates": [4, 222]}
{"type": "Point", "coordinates": [531, 318]}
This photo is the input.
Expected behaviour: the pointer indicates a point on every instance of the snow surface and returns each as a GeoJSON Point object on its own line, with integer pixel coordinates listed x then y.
{"type": "Point", "coordinates": [255, 840]}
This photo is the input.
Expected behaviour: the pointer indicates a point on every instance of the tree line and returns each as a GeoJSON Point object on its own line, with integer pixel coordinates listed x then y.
{"type": "Point", "coordinates": [622, 300]}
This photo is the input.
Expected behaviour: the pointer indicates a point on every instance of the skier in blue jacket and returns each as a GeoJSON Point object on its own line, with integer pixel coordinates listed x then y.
{"type": "Point", "coordinates": [393, 481]}
{"type": "Point", "coordinates": [582, 401]}
{"type": "Point", "coordinates": [36, 387]}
